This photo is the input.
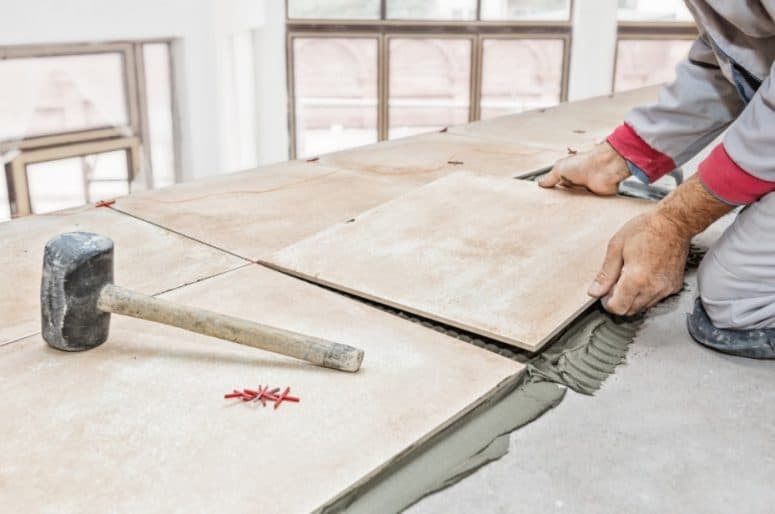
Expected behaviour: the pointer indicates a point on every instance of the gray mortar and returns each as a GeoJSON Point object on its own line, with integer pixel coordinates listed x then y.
{"type": "Point", "coordinates": [478, 437]}
{"type": "Point", "coordinates": [586, 353]}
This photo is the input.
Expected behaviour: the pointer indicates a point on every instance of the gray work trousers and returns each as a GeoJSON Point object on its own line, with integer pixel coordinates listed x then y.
{"type": "Point", "coordinates": [736, 279]}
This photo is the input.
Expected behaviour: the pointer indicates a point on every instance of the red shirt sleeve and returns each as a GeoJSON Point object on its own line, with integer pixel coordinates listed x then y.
{"type": "Point", "coordinates": [730, 183]}
{"type": "Point", "coordinates": [633, 148]}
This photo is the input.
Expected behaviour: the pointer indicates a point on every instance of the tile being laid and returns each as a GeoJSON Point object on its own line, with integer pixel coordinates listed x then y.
{"type": "Point", "coordinates": [498, 257]}
{"type": "Point", "coordinates": [256, 212]}
{"type": "Point", "coordinates": [429, 156]}
{"type": "Point", "coordinates": [147, 258]}
{"type": "Point", "coordinates": [139, 424]}
{"type": "Point", "coordinates": [578, 125]}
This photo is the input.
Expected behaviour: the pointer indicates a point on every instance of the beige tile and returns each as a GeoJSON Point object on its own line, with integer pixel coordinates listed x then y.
{"type": "Point", "coordinates": [254, 213]}
{"type": "Point", "coordinates": [139, 424]}
{"type": "Point", "coordinates": [430, 156]}
{"type": "Point", "coordinates": [576, 125]}
{"type": "Point", "coordinates": [147, 258]}
{"type": "Point", "coordinates": [499, 257]}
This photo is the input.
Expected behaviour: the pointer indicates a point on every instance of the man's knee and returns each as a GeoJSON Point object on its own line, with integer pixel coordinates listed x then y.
{"type": "Point", "coordinates": [717, 292]}
{"type": "Point", "coordinates": [733, 301]}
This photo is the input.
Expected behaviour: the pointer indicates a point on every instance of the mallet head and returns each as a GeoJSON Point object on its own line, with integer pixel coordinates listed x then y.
{"type": "Point", "coordinates": [76, 266]}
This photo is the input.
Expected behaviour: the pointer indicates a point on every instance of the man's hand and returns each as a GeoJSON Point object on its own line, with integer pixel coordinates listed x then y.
{"type": "Point", "coordinates": [645, 260]}
{"type": "Point", "coordinates": [644, 264]}
{"type": "Point", "coordinates": [599, 170]}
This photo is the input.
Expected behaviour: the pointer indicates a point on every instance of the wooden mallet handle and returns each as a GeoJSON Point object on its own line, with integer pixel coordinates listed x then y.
{"type": "Point", "coordinates": [311, 349]}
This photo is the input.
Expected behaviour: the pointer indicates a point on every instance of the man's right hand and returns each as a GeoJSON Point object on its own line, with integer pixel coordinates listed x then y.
{"type": "Point", "coordinates": [599, 170]}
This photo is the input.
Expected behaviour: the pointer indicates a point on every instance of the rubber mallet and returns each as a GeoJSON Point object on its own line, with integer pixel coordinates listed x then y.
{"type": "Point", "coordinates": [77, 295]}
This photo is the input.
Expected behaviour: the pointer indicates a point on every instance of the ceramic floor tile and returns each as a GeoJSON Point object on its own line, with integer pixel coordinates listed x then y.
{"type": "Point", "coordinates": [140, 424]}
{"type": "Point", "coordinates": [576, 125]}
{"type": "Point", "coordinates": [147, 258]}
{"type": "Point", "coordinates": [256, 212]}
{"type": "Point", "coordinates": [430, 156]}
{"type": "Point", "coordinates": [499, 257]}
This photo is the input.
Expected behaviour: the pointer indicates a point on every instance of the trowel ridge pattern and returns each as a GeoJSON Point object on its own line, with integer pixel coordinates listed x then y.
{"type": "Point", "coordinates": [587, 353]}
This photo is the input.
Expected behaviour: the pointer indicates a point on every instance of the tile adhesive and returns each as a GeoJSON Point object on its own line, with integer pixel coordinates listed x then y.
{"type": "Point", "coordinates": [580, 358]}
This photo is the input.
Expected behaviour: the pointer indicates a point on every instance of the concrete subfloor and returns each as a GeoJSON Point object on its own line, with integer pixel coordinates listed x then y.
{"type": "Point", "coordinates": [678, 428]}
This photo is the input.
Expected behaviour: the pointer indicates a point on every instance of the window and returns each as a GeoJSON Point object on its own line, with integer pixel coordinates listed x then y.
{"type": "Point", "coordinates": [83, 122]}
{"type": "Point", "coordinates": [422, 10]}
{"type": "Point", "coordinates": [51, 95]}
{"type": "Point", "coordinates": [642, 63]}
{"type": "Point", "coordinates": [74, 181]}
{"type": "Point", "coordinates": [429, 84]}
{"type": "Point", "coordinates": [519, 75]}
{"type": "Point", "coordinates": [651, 10]}
{"type": "Point", "coordinates": [336, 93]}
{"type": "Point", "coordinates": [653, 37]}
{"type": "Point", "coordinates": [526, 9]}
{"type": "Point", "coordinates": [58, 177]}
{"type": "Point", "coordinates": [361, 72]}
{"type": "Point", "coordinates": [334, 9]}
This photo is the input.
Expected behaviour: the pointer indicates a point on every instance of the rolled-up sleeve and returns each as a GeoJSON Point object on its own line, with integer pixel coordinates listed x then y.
{"type": "Point", "coordinates": [741, 169]}
{"type": "Point", "coordinates": [690, 112]}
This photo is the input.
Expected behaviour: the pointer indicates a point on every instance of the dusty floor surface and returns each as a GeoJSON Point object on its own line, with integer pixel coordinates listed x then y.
{"type": "Point", "coordinates": [677, 429]}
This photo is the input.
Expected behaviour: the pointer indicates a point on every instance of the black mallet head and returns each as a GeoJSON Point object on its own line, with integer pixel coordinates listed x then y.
{"type": "Point", "coordinates": [76, 266]}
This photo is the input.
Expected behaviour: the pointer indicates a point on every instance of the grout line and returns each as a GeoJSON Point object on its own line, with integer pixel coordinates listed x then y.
{"type": "Point", "coordinates": [115, 209]}
{"type": "Point", "coordinates": [21, 338]}
{"type": "Point", "coordinates": [202, 279]}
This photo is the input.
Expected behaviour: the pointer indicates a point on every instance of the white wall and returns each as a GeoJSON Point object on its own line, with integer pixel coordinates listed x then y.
{"type": "Point", "coordinates": [210, 46]}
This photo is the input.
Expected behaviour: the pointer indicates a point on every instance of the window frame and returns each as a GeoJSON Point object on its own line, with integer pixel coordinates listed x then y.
{"type": "Point", "coordinates": [130, 81]}
{"type": "Point", "coordinates": [16, 168]}
{"type": "Point", "coordinates": [134, 137]}
{"type": "Point", "coordinates": [384, 29]}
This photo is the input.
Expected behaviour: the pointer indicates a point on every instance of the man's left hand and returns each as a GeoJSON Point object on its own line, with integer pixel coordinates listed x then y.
{"type": "Point", "coordinates": [644, 263]}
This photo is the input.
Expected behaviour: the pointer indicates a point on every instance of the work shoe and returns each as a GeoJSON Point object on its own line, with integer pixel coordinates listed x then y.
{"type": "Point", "coordinates": [756, 343]}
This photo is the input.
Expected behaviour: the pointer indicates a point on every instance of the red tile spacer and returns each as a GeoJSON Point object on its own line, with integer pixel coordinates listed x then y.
{"type": "Point", "coordinates": [285, 397]}
{"type": "Point", "coordinates": [104, 203]}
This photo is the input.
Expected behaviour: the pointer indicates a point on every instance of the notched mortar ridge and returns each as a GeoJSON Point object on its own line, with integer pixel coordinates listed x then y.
{"type": "Point", "coordinates": [587, 352]}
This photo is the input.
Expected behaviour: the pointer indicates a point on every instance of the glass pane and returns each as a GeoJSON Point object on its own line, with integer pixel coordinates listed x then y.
{"type": "Point", "coordinates": [5, 206]}
{"type": "Point", "coordinates": [75, 181]}
{"type": "Point", "coordinates": [653, 10]}
{"type": "Point", "coordinates": [520, 74]}
{"type": "Point", "coordinates": [158, 91]}
{"type": "Point", "coordinates": [646, 62]}
{"type": "Point", "coordinates": [335, 89]}
{"type": "Point", "coordinates": [525, 9]}
{"type": "Point", "coordinates": [435, 10]}
{"type": "Point", "coordinates": [429, 84]}
{"type": "Point", "coordinates": [339, 9]}
{"type": "Point", "coordinates": [49, 95]}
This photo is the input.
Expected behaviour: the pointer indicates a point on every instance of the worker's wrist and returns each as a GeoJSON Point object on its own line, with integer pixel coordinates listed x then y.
{"type": "Point", "coordinates": [611, 163]}
{"type": "Point", "coordinates": [689, 209]}
{"type": "Point", "coordinates": [668, 223]}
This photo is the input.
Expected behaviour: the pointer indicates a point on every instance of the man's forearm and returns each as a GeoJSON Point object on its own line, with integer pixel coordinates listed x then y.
{"type": "Point", "coordinates": [690, 208]}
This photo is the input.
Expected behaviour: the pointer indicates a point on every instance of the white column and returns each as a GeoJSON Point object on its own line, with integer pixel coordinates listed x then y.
{"type": "Point", "coordinates": [593, 48]}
